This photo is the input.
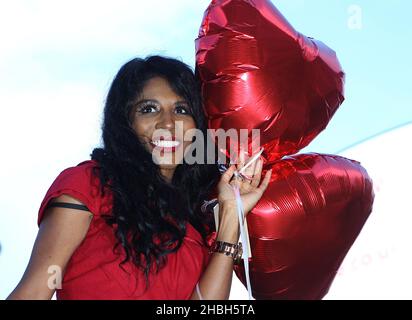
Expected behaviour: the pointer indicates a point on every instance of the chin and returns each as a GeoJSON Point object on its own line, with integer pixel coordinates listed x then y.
{"type": "Point", "coordinates": [168, 166]}
{"type": "Point", "coordinates": [168, 162]}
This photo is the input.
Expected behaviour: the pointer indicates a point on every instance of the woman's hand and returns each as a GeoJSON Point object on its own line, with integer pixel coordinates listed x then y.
{"type": "Point", "coordinates": [250, 190]}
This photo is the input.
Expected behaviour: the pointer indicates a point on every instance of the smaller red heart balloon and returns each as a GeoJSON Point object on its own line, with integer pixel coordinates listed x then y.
{"type": "Point", "coordinates": [308, 218]}
{"type": "Point", "coordinates": [258, 72]}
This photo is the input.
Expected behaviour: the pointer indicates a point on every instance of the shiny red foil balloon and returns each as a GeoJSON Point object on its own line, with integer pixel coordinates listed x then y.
{"type": "Point", "coordinates": [258, 72]}
{"type": "Point", "coordinates": [305, 223]}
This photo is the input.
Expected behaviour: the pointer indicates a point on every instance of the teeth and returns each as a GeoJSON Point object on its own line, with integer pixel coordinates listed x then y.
{"type": "Point", "coordinates": [165, 143]}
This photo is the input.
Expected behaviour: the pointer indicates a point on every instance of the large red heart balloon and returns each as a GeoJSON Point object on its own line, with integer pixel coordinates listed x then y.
{"type": "Point", "coordinates": [258, 72]}
{"type": "Point", "coordinates": [305, 223]}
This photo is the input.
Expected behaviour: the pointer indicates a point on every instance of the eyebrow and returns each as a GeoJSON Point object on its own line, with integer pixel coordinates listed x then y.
{"type": "Point", "coordinates": [156, 101]}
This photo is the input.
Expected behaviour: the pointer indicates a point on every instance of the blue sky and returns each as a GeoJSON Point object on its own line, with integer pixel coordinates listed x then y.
{"type": "Point", "coordinates": [375, 58]}
{"type": "Point", "coordinates": [48, 45]}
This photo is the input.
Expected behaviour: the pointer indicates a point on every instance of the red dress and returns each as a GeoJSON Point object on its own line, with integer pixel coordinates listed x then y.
{"type": "Point", "coordinates": [93, 271]}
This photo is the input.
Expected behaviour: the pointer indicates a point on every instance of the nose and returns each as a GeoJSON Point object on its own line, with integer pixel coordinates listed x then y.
{"type": "Point", "coordinates": [166, 121]}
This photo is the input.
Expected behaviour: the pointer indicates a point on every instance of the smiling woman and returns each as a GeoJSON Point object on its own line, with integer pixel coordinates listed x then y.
{"type": "Point", "coordinates": [161, 119]}
{"type": "Point", "coordinates": [125, 226]}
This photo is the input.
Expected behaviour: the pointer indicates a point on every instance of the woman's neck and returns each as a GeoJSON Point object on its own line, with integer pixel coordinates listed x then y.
{"type": "Point", "coordinates": [167, 174]}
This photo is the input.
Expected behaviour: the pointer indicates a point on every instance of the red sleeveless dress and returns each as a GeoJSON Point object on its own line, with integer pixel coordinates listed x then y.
{"type": "Point", "coordinates": [93, 271]}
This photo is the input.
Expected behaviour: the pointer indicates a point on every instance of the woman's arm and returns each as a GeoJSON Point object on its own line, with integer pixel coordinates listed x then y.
{"type": "Point", "coordinates": [60, 233]}
{"type": "Point", "coordinates": [216, 281]}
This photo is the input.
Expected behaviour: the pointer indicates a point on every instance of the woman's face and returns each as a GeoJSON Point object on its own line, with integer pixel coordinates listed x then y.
{"type": "Point", "coordinates": [161, 118]}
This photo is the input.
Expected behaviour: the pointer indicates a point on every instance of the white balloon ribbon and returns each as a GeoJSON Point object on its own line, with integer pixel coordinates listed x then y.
{"type": "Point", "coordinates": [243, 237]}
{"type": "Point", "coordinates": [244, 234]}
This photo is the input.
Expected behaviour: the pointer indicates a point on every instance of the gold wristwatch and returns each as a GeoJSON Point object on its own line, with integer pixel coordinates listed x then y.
{"type": "Point", "coordinates": [229, 249]}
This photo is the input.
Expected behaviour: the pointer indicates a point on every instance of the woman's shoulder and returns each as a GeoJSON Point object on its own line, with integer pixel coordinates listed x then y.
{"type": "Point", "coordinates": [83, 177]}
{"type": "Point", "coordinates": [81, 169]}
{"type": "Point", "coordinates": [81, 182]}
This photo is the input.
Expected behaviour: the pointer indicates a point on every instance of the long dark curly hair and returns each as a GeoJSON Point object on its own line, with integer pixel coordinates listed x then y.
{"type": "Point", "coordinates": [143, 202]}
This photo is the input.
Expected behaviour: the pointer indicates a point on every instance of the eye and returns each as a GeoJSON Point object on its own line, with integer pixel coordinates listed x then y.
{"type": "Point", "coordinates": [147, 108]}
{"type": "Point", "coordinates": [182, 109]}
